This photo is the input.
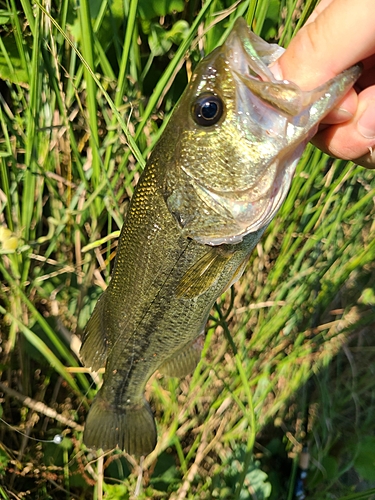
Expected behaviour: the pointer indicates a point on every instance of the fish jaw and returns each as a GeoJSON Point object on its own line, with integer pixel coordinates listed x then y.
{"type": "Point", "coordinates": [233, 177]}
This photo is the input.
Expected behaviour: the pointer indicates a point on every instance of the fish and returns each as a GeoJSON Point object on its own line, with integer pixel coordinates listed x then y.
{"type": "Point", "coordinates": [211, 186]}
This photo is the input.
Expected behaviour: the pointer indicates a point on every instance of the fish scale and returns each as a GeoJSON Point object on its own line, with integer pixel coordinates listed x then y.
{"type": "Point", "coordinates": [214, 181]}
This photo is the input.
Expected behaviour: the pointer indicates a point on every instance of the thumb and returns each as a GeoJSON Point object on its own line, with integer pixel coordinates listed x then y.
{"type": "Point", "coordinates": [338, 34]}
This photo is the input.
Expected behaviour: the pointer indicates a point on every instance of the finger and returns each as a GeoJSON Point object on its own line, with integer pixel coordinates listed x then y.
{"type": "Point", "coordinates": [318, 10]}
{"type": "Point", "coordinates": [344, 110]}
{"type": "Point", "coordinates": [367, 160]}
{"type": "Point", "coordinates": [328, 44]}
{"type": "Point", "coordinates": [355, 138]}
{"type": "Point", "coordinates": [368, 75]}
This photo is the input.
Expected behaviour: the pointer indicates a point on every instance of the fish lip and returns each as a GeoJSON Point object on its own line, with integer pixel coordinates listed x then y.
{"type": "Point", "coordinates": [249, 58]}
{"type": "Point", "coordinates": [246, 51]}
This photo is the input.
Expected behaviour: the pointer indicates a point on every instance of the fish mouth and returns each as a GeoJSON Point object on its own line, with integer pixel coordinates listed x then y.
{"type": "Point", "coordinates": [250, 58]}
{"type": "Point", "coordinates": [248, 53]}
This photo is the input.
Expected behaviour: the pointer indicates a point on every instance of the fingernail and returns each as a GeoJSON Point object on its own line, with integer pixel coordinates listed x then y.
{"type": "Point", "coordinates": [339, 115]}
{"type": "Point", "coordinates": [344, 114]}
{"type": "Point", "coordinates": [276, 70]}
{"type": "Point", "coordinates": [366, 123]}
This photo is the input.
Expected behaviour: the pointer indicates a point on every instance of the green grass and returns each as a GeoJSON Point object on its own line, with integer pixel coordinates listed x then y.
{"type": "Point", "coordinates": [86, 91]}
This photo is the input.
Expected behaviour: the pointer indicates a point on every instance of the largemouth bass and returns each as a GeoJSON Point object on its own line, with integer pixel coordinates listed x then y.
{"type": "Point", "coordinates": [214, 181]}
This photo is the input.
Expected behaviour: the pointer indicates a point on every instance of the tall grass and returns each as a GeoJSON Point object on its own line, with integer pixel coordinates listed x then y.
{"type": "Point", "coordinates": [86, 91]}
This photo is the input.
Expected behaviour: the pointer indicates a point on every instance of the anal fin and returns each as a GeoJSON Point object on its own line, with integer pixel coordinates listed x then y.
{"type": "Point", "coordinates": [94, 349]}
{"type": "Point", "coordinates": [185, 360]}
{"type": "Point", "coordinates": [203, 274]}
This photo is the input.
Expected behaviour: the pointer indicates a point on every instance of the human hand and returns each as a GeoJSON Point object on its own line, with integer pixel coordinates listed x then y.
{"type": "Point", "coordinates": [338, 34]}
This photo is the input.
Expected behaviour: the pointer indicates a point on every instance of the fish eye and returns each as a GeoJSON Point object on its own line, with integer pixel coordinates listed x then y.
{"type": "Point", "coordinates": [207, 109]}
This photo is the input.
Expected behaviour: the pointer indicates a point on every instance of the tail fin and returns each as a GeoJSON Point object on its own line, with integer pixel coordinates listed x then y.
{"type": "Point", "coordinates": [131, 428]}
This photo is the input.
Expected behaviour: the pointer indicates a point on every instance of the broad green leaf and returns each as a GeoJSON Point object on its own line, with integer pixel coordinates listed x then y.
{"type": "Point", "coordinates": [365, 459]}
{"type": "Point", "coordinates": [5, 17]}
{"type": "Point", "coordinates": [11, 68]}
{"type": "Point", "coordinates": [161, 40]}
{"type": "Point", "coordinates": [150, 10]}
{"type": "Point", "coordinates": [368, 296]}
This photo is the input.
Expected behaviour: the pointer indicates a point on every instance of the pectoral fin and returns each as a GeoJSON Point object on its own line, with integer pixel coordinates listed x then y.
{"type": "Point", "coordinates": [185, 360]}
{"type": "Point", "coordinates": [203, 274]}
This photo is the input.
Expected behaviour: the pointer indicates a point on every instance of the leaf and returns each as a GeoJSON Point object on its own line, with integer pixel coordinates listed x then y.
{"type": "Point", "coordinates": [166, 473]}
{"type": "Point", "coordinates": [330, 466]}
{"type": "Point", "coordinates": [160, 40]}
{"type": "Point", "coordinates": [365, 460]}
{"type": "Point", "coordinates": [158, 8]}
{"type": "Point", "coordinates": [256, 484]}
{"type": "Point", "coordinates": [270, 26]}
{"type": "Point", "coordinates": [112, 19]}
{"type": "Point", "coordinates": [257, 479]}
{"type": "Point", "coordinates": [5, 17]}
{"type": "Point", "coordinates": [367, 297]}
{"type": "Point", "coordinates": [11, 68]}
{"type": "Point", "coordinates": [179, 31]}
{"type": "Point", "coordinates": [116, 491]}
{"type": "Point", "coordinates": [4, 460]}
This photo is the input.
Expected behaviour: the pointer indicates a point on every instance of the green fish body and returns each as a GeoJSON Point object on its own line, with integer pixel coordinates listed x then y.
{"type": "Point", "coordinates": [213, 183]}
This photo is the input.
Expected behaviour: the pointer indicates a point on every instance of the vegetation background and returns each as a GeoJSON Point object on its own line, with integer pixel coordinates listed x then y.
{"type": "Point", "coordinates": [288, 365]}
